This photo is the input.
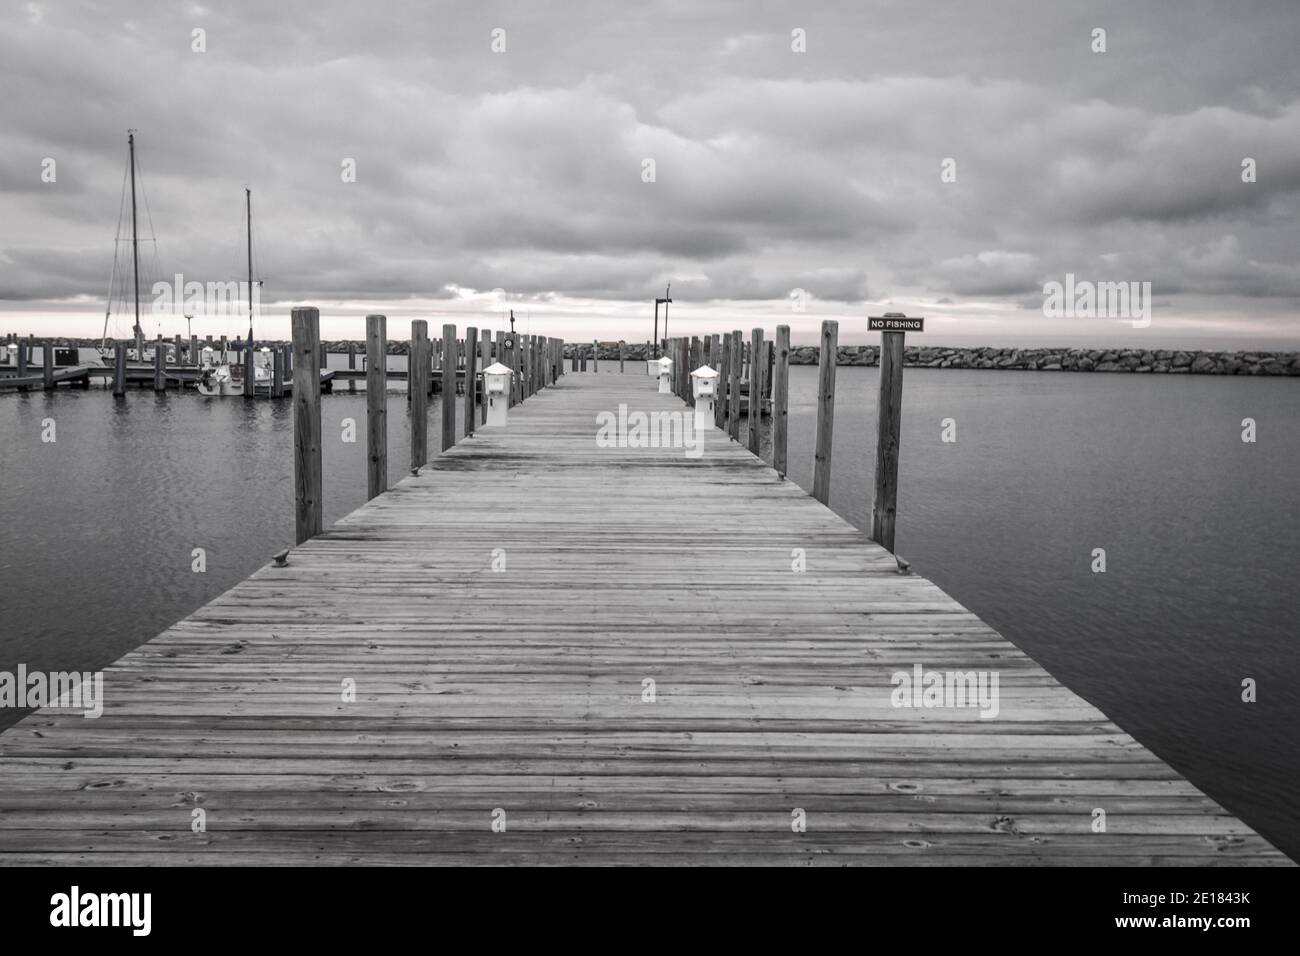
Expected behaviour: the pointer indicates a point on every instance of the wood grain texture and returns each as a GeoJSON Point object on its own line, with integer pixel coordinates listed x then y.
{"type": "Point", "coordinates": [501, 616]}
{"type": "Point", "coordinates": [417, 382]}
{"type": "Point", "coordinates": [780, 399]}
{"type": "Point", "coordinates": [160, 366]}
{"type": "Point", "coordinates": [889, 422]}
{"type": "Point", "coordinates": [471, 379]}
{"type": "Point", "coordinates": [825, 411]}
{"type": "Point", "coordinates": [376, 404]}
{"type": "Point", "coordinates": [754, 421]}
{"type": "Point", "coordinates": [308, 478]}
{"type": "Point", "coordinates": [448, 402]}
{"type": "Point", "coordinates": [735, 364]}
{"type": "Point", "coordinates": [484, 360]}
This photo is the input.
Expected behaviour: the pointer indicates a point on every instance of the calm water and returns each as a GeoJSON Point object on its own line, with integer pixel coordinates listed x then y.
{"type": "Point", "coordinates": [1199, 529]}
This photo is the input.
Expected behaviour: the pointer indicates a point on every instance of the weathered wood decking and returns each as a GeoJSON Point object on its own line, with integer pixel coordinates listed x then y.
{"type": "Point", "coordinates": [522, 690]}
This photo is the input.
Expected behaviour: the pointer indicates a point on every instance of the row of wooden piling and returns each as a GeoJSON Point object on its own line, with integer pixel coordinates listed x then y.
{"type": "Point", "coordinates": [536, 361]}
{"type": "Point", "coordinates": [768, 364]}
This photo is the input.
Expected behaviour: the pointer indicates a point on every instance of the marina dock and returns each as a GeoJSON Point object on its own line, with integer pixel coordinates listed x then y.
{"type": "Point", "coordinates": [559, 653]}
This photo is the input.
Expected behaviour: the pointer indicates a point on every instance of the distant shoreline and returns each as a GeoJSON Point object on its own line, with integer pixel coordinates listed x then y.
{"type": "Point", "coordinates": [1166, 361]}
{"type": "Point", "coordinates": [1045, 359]}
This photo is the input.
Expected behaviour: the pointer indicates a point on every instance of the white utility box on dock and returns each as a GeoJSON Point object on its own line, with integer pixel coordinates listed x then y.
{"type": "Point", "coordinates": [663, 367]}
{"type": "Point", "coordinates": [704, 386]}
{"type": "Point", "coordinates": [496, 386]}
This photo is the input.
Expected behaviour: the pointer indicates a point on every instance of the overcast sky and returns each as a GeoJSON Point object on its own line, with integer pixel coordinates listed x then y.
{"type": "Point", "coordinates": [522, 171]}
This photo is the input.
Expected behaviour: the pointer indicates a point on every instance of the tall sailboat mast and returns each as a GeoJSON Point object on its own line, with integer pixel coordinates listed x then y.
{"type": "Point", "coordinates": [248, 213]}
{"type": "Point", "coordinates": [135, 240]}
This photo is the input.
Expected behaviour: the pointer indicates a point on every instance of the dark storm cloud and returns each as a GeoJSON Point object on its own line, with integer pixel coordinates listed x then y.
{"type": "Point", "coordinates": [774, 170]}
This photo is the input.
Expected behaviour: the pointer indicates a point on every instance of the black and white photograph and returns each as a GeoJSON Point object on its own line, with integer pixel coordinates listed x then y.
{"type": "Point", "coordinates": [676, 433]}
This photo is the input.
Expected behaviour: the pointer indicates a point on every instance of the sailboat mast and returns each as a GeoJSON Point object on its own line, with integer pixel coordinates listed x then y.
{"type": "Point", "coordinates": [248, 212]}
{"type": "Point", "coordinates": [135, 237]}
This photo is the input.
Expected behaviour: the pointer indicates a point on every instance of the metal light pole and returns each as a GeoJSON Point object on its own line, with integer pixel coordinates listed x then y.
{"type": "Point", "coordinates": [665, 300]}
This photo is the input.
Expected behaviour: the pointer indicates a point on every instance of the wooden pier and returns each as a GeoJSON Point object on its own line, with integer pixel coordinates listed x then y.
{"type": "Point", "coordinates": [565, 653]}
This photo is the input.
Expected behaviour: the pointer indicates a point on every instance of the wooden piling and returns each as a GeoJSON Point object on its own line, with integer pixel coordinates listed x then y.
{"type": "Point", "coordinates": [688, 366]}
{"type": "Point", "coordinates": [684, 359]}
{"type": "Point", "coordinates": [471, 393]}
{"type": "Point", "coordinates": [307, 473]}
{"type": "Point", "coordinates": [24, 356]}
{"type": "Point", "coordinates": [521, 365]}
{"type": "Point", "coordinates": [485, 359]}
{"type": "Point", "coordinates": [768, 358]}
{"type": "Point", "coordinates": [780, 397]}
{"type": "Point", "coordinates": [735, 359]}
{"type": "Point", "coordinates": [501, 356]}
{"type": "Point", "coordinates": [715, 363]}
{"type": "Point", "coordinates": [448, 386]}
{"type": "Point", "coordinates": [194, 351]}
{"type": "Point", "coordinates": [277, 373]}
{"type": "Point", "coordinates": [698, 346]}
{"type": "Point", "coordinates": [622, 355]}
{"type": "Point", "coordinates": [250, 373]}
{"type": "Point", "coordinates": [417, 375]}
{"type": "Point", "coordinates": [530, 380]}
{"type": "Point", "coordinates": [47, 363]}
{"type": "Point", "coordinates": [512, 361]}
{"type": "Point", "coordinates": [160, 365]}
{"type": "Point", "coordinates": [889, 414]}
{"type": "Point", "coordinates": [352, 364]}
{"type": "Point", "coordinates": [525, 375]}
{"type": "Point", "coordinates": [825, 410]}
{"type": "Point", "coordinates": [376, 404]}
{"type": "Point", "coordinates": [595, 355]}
{"type": "Point", "coordinates": [722, 409]}
{"type": "Point", "coordinates": [119, 369]}
{"type": "Point", "coordinates": [756, 369]}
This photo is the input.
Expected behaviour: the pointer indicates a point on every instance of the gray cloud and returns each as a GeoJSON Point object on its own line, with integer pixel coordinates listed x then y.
{"type": "Point", "coordinates": [774, 170]}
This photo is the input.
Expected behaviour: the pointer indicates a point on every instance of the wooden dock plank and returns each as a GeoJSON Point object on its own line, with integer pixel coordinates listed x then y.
{"type": "Point", "coordinates": [519, 686]}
